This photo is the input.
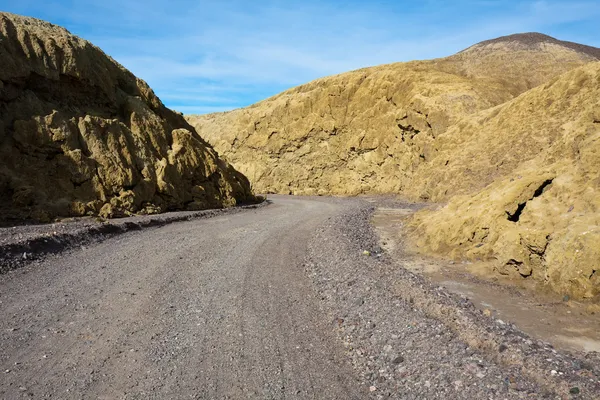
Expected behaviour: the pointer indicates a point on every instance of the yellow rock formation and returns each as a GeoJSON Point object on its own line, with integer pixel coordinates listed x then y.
{"type": "Point", "coordinates": [539, 216]}
{"type": "Point", "coordinates": [370, 130]}
{"type": "Point", "coordinates": [79, 134]}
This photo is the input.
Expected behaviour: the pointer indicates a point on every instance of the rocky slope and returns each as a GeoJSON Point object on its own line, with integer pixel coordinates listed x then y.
{"type": "Point", "coordinates": [371, 130]}
{"type": "Point", "coordinates": [507, 130]}
{"type": "Point", "coordinates": [79, 134]}
{"type": "Point", "coordinates": [540, 217]}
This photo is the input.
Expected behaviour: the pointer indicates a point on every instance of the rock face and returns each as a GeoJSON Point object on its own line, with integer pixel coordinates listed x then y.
{"type": "Point", "coordinates": [79, 134]}
{"type": "Point", "coordinates": [507, 130]}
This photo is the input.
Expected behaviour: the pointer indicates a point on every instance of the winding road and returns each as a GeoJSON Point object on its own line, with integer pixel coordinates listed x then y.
{"type": "Point", "coordinates": [206, 309]}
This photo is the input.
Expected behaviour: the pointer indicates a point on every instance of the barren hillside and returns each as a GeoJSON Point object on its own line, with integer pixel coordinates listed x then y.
{"type": "Point", "coordinates": [80, 135]}
{"type": "Point", "coordinates": [540, 217]}
{"type": "Point", "coordinates": [370, 130]}
{"type": "Point", "coordinates": [507, 130]}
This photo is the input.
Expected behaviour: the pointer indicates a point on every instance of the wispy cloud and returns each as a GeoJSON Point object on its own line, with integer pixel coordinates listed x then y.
{"type": "Point", "coordinates": [203, 56]}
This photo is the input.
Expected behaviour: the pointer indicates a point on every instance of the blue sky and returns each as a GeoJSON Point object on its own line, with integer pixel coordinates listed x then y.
{"type": "Point", "coordinates": [204, 56]}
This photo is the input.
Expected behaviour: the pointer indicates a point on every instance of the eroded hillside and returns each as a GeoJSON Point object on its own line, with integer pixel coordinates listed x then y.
{"type": "Point", "coordinates": [372, 130]}
{"type": "Point", "coordinates": [507, 130]}
{"type": "Point", "coordinates": [540, 218]}
{"type": "Point", "coordinates": [79, 134]}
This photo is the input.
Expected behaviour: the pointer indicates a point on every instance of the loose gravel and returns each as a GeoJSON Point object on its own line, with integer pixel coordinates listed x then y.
{"type": "Point", "coordinates": [20, 245]}
{"type": "Point", "coordinates": [413, 340]}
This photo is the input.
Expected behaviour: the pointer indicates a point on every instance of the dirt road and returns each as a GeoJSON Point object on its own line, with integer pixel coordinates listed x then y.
{"type": "Point", "coordinates": [277, 302]}
{"type": "Point", "coordinates": [214, 308]}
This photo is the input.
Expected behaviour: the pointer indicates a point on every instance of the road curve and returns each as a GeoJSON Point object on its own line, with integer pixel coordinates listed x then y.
{"type": "Point", "coordinates": [208, 309]}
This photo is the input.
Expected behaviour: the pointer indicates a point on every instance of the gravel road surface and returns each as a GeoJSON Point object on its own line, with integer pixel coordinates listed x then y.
{"type": "Point", "coordinates": [268, 303]}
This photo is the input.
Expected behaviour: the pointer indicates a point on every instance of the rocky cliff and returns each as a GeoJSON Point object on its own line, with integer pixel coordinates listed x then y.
{"type": "Point", "coordinates": [506, 130]}
{"type": "Point", "coordinates": [79, 134]}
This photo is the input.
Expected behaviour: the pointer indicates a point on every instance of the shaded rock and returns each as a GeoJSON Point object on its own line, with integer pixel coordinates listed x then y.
{"type": "Point", "coordinates": [398, 360]}
{"type": "Point", "coordinates": [79, 134]}
{"type": "Point", "coordinates": [574, 390]}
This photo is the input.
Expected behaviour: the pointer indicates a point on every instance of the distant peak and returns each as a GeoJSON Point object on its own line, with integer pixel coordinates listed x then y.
{"type": "Point", "coordinates": [534, 38]}
{"type": "Point", "coordinates": [528, 38]}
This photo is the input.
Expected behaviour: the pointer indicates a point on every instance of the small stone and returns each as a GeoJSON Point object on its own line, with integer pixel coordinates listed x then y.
{"type": "Point", "coordinates": [502, 348]}
{"type": "Point", "coordinates": [398, 360]}
{"type": "Point", "coordinates": [372, 388]}
{"type": "Point", "coordinates": [472, 368]}
{"type": "Point", "coordinates": [487, 312]}
{"type": "Point", "coordinates": [553, 372]}
{"type": "Point", "coordinates": [574, 390]}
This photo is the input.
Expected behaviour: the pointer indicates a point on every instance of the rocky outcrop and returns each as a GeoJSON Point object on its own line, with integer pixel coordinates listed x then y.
{"type": "Point", "coordinates": [79, 134]}
{"type": "Point", "coordinates": [507, 130]}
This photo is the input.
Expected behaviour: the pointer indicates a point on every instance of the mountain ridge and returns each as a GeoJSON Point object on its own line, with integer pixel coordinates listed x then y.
{"type": "Point", "coordinates": [535, 38]}
{"type": "Point", "coordinates": [424, 96]}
